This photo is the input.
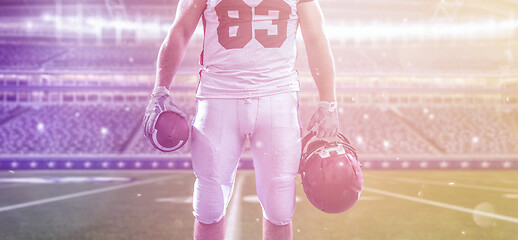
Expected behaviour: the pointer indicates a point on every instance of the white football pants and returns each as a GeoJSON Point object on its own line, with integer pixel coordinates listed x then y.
{"type": "Point", "coordinates": [218, 134]}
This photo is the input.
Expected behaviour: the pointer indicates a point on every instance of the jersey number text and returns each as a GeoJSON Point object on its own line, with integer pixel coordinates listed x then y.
{"type": "Point", "coordinates": [235, 28]}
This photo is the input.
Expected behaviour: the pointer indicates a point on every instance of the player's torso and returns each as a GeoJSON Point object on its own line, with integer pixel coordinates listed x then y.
{"type": "Point", "coordinates": [249, 46]}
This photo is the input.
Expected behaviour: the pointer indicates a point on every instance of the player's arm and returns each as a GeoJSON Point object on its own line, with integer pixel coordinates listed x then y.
{"type": "Point", "coordinates": [320, 59]}
{"type": "Point", "coordinates": [170, 56]}
{"type": "Point", "coordinates": [322, 67]}
{"type": "Point", "coordinates": [174, 45]}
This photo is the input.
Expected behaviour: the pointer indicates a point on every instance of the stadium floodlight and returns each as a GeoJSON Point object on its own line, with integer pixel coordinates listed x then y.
{"type": "Point", "coordinates": [375, 31]}
{"type": "Point", "coordinates": [356, 31]}
{"type": "Point", "coordinates": [95, 22]}
{"type": "Point", "coordinates": [47, 17]}
{"type": "Point", "coordinates": [29, 25]}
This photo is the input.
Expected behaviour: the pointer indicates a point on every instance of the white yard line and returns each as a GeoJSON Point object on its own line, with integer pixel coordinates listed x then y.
{"type": "Point", "coordinates": [81, 194]}
{"type": "Point", "coordinates": [442, 205]}
{"type": "Point", "coordinates": [233, 219]}
{"type": "Point", "coordinates": [451, 183]}
{"type": "Point", "coordinates": [13, 185]}
{"type": "Point", "coordinates": [493, 179]}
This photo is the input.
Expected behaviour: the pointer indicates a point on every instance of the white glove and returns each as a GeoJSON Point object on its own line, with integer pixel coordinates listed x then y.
{"type": "Point", "coordinates": [159, 102]}
{"type": "Point", "coordinates": [326, 117]}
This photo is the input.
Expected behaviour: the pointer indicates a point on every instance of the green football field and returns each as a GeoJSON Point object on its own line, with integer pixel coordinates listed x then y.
{"type": "Point", "coordinates": [403, 205]}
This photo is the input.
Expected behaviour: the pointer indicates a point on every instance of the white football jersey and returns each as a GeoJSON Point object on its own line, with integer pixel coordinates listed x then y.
{"type": "Point", "coordinates": [249, 48]}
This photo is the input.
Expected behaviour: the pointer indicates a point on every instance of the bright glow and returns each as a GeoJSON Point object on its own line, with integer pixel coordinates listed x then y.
{"type": "Point", "coordinates": [474, 140]}
{"type": "Point", "coordinates": [374, 31]}
{"type": "Point", "coordinates": [359, 139]}
{"type": "Point", "coordinates": [29, 25]}
{"type": "Point", "coordinates": [104, 130]}
{"type": "Point", "coordinates": [386, 144]}
{"type": "Point", "coordinates": [337, 31]}
{"type": "Point", "coordinates": [40, 127]}
{"type": "Point", "coordinates": [425, 110]}
{"type": "Point", "coordinates": [365, 116]}
{"type": "Point", "coordinates": [99, 23]}
{"type": "Point", "coordinates": [431, 116]}
{"type": "Point", "coordinates": [46, 17]}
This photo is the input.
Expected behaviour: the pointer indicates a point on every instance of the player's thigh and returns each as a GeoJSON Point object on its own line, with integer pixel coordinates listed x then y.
{"type": "Point", "coordinates": [276, 140]}
{"type": "Point", "coordinates": [276, 150]}
{"type": "Point", "coordinates": [216, 141]}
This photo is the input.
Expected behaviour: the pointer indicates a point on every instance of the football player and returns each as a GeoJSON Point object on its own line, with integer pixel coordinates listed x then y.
{"type": "Point", "coordinates": [248, 88]}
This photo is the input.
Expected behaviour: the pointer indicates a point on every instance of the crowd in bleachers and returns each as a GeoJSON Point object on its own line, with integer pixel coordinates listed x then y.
{"type": "Point", "coordinates": [21, 57]}
{"type": "Point", "coordinates": [348, 59]}
{"type": "Point", "coordinates": [69, 129]}
{"type": "Point", "coordinates": [113, 129]}
{"type": "Point", "coordinates": [105, 58]}
{"type": "Point", "coordinates": [459, 130]}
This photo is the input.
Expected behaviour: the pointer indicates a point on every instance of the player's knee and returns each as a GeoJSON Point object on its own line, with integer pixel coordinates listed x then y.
{"type": "Point", "coordinates": [279, 205]}
{"type": "Point", "coordinates": [210, 200]}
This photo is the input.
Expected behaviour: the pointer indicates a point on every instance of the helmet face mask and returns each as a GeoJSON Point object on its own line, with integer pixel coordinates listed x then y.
{"type": "Point", "coordinates": [331, 174]}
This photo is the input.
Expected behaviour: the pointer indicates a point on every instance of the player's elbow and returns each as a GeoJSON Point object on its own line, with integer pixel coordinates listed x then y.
{"type": "Point", "coordinates": [177, 36]}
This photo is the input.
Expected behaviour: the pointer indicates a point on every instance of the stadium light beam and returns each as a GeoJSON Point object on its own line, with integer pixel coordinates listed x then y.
{"type": "Point", "coordinates": [356, 31]}
{"type": "Point", "coordinates": [375, 31]}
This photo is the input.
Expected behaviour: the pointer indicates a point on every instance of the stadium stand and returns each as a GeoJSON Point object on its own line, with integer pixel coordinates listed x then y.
{"type": "Point", "coordinates": [106, 58]}
{"type": "Point", "coordinates": [348, 59]}
{"type": "Point", "coordinates": [115, 128]}
{"type": "Point", "coordinates": [27, 56]}
{"type": "Point", "coordinates": [460, 130]}
{"type": "Point", "coordinates": [69, 129]}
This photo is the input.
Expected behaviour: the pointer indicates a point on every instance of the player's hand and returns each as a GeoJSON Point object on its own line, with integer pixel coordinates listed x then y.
{"type": "Point", "coordinates": [326, 117]}
{"type": "Point", "coordinates": [159, 102]}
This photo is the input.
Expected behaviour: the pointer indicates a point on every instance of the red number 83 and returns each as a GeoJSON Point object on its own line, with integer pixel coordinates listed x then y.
{"type": "Point", "coordinates": [235, 23]}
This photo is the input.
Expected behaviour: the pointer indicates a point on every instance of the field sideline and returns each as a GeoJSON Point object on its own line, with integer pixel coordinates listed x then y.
{"type": "Point", "coordinates": [403, 205]}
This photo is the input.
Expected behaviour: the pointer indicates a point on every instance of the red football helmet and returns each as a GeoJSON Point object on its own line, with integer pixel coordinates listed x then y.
{"type": "Point", "coordinates": [331, 174]}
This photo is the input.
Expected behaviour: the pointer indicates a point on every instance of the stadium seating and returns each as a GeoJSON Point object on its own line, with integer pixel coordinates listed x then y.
{"type": "Point", "coordinates": [27, 56]}
{"type": "Point", "coordinates": [115, 128]}
{"type": "Point", "coordinates": [458, 130]}
{"type": "Point", "coordinates": [69, 129]}
{"type": "Point", "coordinates": [143, 58]}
